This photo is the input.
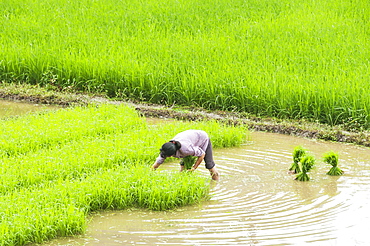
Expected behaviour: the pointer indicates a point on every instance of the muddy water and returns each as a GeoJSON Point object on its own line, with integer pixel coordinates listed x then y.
{"type": "Point", "coordinates": [11, 108]}
{"type": "Point", "coordinates": [256, 202]}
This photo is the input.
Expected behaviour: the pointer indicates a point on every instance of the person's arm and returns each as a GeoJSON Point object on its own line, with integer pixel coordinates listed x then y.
{"type": "Point", "coordinates": [158, 162]}
{"type": "Point", "coordinates": [197, 163]}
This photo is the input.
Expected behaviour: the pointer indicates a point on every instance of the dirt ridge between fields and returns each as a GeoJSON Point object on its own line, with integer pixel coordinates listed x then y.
{"type": "Point", "coordinates": [302, 128]}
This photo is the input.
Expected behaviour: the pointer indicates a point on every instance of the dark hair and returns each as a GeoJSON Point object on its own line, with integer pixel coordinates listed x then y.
{"type": "Point", "coordinates": [169, 148]}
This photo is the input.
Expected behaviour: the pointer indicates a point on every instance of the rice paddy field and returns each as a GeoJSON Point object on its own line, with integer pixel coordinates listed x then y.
{"type": "Point", "coordinates": [56, 167]}
{"type": "Point", "coordinates": [283, 58]}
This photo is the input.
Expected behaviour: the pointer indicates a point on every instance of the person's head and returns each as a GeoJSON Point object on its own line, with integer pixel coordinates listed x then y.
{"type": "Point", "coordinates": [169, 149]}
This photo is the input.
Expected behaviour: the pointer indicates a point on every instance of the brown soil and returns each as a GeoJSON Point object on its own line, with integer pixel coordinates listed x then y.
{"type": "Point", "coordinates": [34, 94]}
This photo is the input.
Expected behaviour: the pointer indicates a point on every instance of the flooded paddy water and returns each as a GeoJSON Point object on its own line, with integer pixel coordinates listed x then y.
{"type": "Point", "coordinates": [256, 202]}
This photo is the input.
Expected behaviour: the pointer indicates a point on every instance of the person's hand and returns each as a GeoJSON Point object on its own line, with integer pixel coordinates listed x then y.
{"type": "Point", "coordinates": [155, 166]}
{"type": "Point", "coordinates": [191, 169]}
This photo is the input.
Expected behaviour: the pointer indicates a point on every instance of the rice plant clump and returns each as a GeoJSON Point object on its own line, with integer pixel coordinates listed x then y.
{"type": "Point", "coordinates": [298, 153]}
{"type": "Point", "coordinates": [332, 159]}
{"type": "Point", "coordinates": [306, 164]}
{"type": "Point", "coordinates": [188, 162]}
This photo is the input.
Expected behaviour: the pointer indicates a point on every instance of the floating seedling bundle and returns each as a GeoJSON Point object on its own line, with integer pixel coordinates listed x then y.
{"type": "Point", "coordinates": [302, 163]}
{"type": "Point", "coordinates": [332, 159]}
{"type": "Point", "coordinates": [306, 164]}
{"type": "Point", "coordinates": [298, 153]}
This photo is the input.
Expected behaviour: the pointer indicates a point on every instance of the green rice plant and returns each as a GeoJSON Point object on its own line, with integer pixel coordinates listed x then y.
{"type": "Point", "coordinates": [34, 216]}
{"type": "Point", "coordinates": [59, 208]}
{"type": "Point", "coordinates": [332, 159]}
{"type": "Point", "coordinates": [48, 190]}
{"type": "Point", "coordinates": [269, 58]}
{"type": "Point", "coordinates": [188, 162]}
{"type": "Point", "coordinates": [298, 153]}
{"type": "Point", "coordinates": [221, 135]}
{"type": "Point", "coordinates": [306, 164]}
{"type": "Point", "coordinates": [88, 154]}
{"type": "Point", "coordinates": [33, 132]}
{"type": "Point", "coordinates": [72, 161]}
{"type": "Point", "coordinates": [302, 163]}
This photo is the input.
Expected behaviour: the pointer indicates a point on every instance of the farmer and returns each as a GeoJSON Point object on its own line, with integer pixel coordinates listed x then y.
{"type": "Point", "coordinates": [189, 143]}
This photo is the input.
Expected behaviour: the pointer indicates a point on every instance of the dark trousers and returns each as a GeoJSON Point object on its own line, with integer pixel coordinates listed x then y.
{"type": "Point", "coordinates": [208, 158]}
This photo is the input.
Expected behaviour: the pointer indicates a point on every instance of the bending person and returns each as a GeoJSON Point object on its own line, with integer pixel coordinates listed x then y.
{"type": "Point", "coordinates": [189, 143]}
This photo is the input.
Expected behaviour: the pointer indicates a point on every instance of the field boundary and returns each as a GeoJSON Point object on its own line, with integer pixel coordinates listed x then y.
{"type": "Point", "coordinates": [301, 128]}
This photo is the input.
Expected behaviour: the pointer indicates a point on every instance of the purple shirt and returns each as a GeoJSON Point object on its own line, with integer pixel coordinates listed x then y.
{"type": "Point", "coordinates": [193, 142]}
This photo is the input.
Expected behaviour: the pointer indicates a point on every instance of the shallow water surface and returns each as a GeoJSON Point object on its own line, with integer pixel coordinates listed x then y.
{"type": "Point", "coordinates": [256, 202]}
{"type": "Point", "coordinates": [11, 108]}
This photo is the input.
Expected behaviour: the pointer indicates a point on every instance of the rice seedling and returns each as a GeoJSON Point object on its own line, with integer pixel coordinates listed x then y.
{"type": "Point", "coordinates": [306, 164]}
{"type": "Point", "coordinates": [221, 135]}
{"type": "Point", "coordinates": [48, 190]}
{"type": "Point", "coordinates": [33, 132]}
{"type": "Point", "coordinates": [298, 153]}
{"type": "Point", "coordinates": [302, 163]}
{"type": "Point", "coordinates": [84, 156]}
{"type": "Point", "coordinates": [269, 58]}
{"type": "Point", "coordinates": [59, 209]}
{"type": "Point", "coordinates": [188, 162]}
{"type": "Point", "coordinates": [332, 159]}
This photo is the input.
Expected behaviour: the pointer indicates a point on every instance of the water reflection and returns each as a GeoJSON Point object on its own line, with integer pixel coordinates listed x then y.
{"type": "Point", "coordinates": [256, 202]}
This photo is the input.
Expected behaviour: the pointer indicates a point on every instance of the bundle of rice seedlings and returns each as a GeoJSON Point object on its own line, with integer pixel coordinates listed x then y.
{"type": "Point", "coordinates": [332, 159]}
{"type": "Point", "coordinates": [188, 161]}
{"type": "Point", "coordinates": [298, 153]}
{"type": "Point", "coordinates": [306, 164]}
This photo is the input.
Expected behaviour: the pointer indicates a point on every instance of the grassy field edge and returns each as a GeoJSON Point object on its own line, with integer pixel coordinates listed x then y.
{"type": "Point", "coordinates": [304, 128]}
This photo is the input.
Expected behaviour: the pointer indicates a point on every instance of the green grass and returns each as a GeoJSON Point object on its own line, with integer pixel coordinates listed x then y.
{"type": "Point", "coordinates": [83, 159]}
{"type": "Point", "coordinates": [286, 58]}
